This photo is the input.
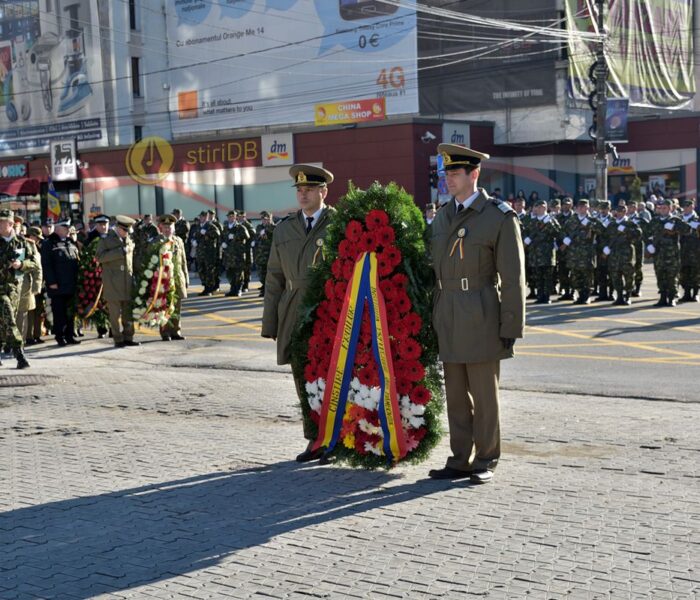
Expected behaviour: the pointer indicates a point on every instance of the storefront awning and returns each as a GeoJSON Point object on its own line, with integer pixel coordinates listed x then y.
{"type": "Point", "coordinates": [24, 186]}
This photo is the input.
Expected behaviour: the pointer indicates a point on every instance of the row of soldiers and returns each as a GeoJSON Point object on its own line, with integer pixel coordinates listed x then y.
{"type": "Point", "coordinates": [600, 252]}
{"type": "Point", "coordinates": [233, 247]}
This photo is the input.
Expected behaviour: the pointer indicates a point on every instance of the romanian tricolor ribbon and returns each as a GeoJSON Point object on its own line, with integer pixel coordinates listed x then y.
{"type": "Point", "coordinates": [94, 306]}
{"type": "Point", "coordinates": [364, 285]}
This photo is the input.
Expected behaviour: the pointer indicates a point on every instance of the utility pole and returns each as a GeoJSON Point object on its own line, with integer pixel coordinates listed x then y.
{"type": "Point", "coordinates": [600, 72]}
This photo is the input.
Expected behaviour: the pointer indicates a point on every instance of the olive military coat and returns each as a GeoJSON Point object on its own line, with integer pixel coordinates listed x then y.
{"type": "Point", "coordinates": [479, 296]}
{"type": "Point", "coordinates": [116, 257]}
{"type": "Point", "coordinates": [291, 255]}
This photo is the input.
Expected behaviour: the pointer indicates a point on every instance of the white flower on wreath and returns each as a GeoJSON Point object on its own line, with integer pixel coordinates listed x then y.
{"type": "Point", "coordinates": [138, 301]}
{"type": "Point", "coordinates": [148, 273]}
{"type": "Point", "coordinates": [154, 260]}
{"type": "Point", "coordinates": [314, 394]}
{"type": "Point", "coordinates": [370, 429]}
{"type": "Point", "coordinates": [374, 449]}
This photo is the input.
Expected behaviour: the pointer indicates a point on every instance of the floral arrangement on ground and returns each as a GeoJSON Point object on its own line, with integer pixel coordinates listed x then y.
{"type": "Point", "coordinates": [89, 305]}
{"type": "Point", "coordinates": [154, 292]}
{"type": "Point", "coordinates": [383, 220]}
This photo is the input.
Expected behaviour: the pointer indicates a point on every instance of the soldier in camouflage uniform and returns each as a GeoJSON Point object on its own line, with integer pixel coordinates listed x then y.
{"type": "Point", "coordinates": [17, 256]}
{"type": "Point", "coordinates": [182, 227]}
{"type": "Point", "coordinates": [206, 241]}
{"type": "Point", "coordinates": [637, 216]}
{"type": "Point", "coordinates": [144, 233]}
{"type": "Point", "coordinates": [564, 270]}
{"type": "Point", "coordinates": [541, 234]}
{"type": "Point", "coordinates": [263, 245]}
{"type": "Point", "coordinates": [234, 246]}
{"type": "Point", "coordinates": [580, 241]}
{"type": "Point", "coordinates": [690, 252]}
{"type": "Point", "coordinates": [602, 275]}
{"type": "Point", "coordinates": [249, 250]}
{"type": "Point", "coordinates": [211, 217]}
{"type": "Point", "coordinates": [621, 235]}
{"type": "Point", "coordinates": [664, 246]}
{"type": "Point", "coordinates": [524, 219]}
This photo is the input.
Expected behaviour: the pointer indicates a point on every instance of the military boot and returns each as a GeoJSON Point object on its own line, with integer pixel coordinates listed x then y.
{"type": "Point", "coordinates": [627, 300]}
{"type": "Point", "coordinates": [671, 299]}
{"type": "Point", "coordinates": [686, 296]}
{"type": "Point", "coordinates": [531, 295]}
{"type": "Point", "coordinates": [663, 298]}
{"type": "Point", "coordinates": [22, 362]}
{"type": "Point", "coordinates": [637, 291]}
{"type": "Point", "coordinates": [569, 294]}
{"type": "Point", "coordinates": [620, 301]}
{"type": "Point", "coordinates": [694, 295]}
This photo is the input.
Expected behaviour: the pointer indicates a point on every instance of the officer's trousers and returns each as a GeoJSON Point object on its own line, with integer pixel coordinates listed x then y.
{"type": "Point", "coordinates": [120, 320]}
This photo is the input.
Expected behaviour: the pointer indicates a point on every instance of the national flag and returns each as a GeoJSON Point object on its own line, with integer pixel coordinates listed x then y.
{"type": "Point", "coordinates": [54, 203]}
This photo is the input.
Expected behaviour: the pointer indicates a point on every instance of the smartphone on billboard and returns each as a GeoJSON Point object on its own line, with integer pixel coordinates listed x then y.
{"type": "Point", "coordinates": [350, 10]}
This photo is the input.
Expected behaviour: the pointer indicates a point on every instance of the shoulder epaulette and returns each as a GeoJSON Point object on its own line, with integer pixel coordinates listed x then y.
{"type": "Point", "coordinates": [504, 207]}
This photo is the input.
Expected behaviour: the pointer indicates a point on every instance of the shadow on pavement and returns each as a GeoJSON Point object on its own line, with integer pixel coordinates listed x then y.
{"type": "Point", "coordinates": [647, 328]}
{"type": "Point", "coordinates": [72, 548]}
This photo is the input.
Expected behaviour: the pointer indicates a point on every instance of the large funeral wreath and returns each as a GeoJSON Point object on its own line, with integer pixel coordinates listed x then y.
{"type": "Point", "coordinates": [383, 223]}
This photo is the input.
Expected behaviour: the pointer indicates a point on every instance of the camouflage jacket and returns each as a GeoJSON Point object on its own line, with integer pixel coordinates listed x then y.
{"type": "Point", "coordinates": [207, 239]}
{"type": "Point", "coordinates": [543, 234]}
{"type": "Point", "coordinates": [665, 235]}
{"type": "Point", "coordinates": [234, 245]}
{"type": "Point", "coordinates": [20, 249]}
{"type": "Point", "coordinates": [620, 239]}
{"type": "Point", "coordinates": [263, 243]}
{"type": "Point", "coordinates": [690, 240]}
{"type": "Point", "coordinates": [182, 229]}
{"type": "Point", "coordinates": [580, 239]}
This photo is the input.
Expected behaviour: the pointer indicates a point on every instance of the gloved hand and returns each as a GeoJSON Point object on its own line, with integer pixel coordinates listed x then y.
{"type": "Point", "coordinates": [508, 343]}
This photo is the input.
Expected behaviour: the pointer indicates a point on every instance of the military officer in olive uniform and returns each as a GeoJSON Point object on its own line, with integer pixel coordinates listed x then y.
{"type": "Point", "coordinates": [664, 246]}
{"type": "Point", "coordinates": [690, 252]}
{"type": "Point", "coordinates": [263, 244]}
{"type": "Point", "coordinates": [207, 241]}
{"type": "Point", "coordinates": [17, 257]}
{"type": "Point", "coordinates": [297, 244]}
{"type": "Point", "coordinates": [478, 313]}
{"type": "Point", "coordinates": [233, 250]}
{"type": "Point", "coordinates": [116, 255]}
{"type": "Point", "coordinates": [620, 238]}
{"type": "Point", "coordinates": [180, 276]}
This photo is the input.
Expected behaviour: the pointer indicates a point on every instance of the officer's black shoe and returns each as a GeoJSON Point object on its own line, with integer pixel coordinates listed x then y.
{"type": "Point", "coordinates": [29, 342]}
{"type": "Point", "coordinates": [72, 341]}
{"type": "Point", "coordinates": [480, 477]}
{"type": "Point", "coordinates": [165, 338]}
{"type": "Point", "coordinates": [119, 344]}
{"type": "Point", "coordinates": [131, 343]}
{"type": "Point", "coordinates": [662, 300]}
{"type": "Point", "coordinates": [308, 455]}
{"type": "Point", "coordinates": [61, 342]}
{"type": "Point", "coordinates": [205, 293]}
{"type": "Point", "coordinates": [448, 473]}
{"type": "Point", "coordinates": [177, 337]}
{"type": "Point", "coordinates": [39, 341]}
{"type": "Point", "coordinates": [101, 336]}
{"type": "Point", "coordinates": [22, 362]}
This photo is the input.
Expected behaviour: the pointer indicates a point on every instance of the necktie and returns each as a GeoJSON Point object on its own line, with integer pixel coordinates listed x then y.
{"type": "Point", "coordinates": [309, 221]}
{"type": "Point", "coordinates": [460, 207]}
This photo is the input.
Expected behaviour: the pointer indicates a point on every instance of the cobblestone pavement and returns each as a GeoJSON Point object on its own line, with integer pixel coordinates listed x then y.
{"type": "Point", "coordinates": [125, 475]}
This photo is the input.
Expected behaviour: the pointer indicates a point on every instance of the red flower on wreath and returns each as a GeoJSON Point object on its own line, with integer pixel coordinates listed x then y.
{"type": "Point", "coordinates": [369, 242]}
{"type": "Point", "coordinates": [375, 219]}
{"type": "Point", "coordinates": [413, 323]}
{"type": "Point", "coordinates": [337, 269]}
{"type": "Point", "coordinates": [412, 370]}
{"type": "Point", "coordinates": [348, 250]}
{"type": "Point", "coordinates": [409, 349]}
{"type": "Point", "coordinates": [419, 395]}
{"type": "Point", "coordinates": [386, 236]}
{"type": "Point", "coordinates": [353, 231]}
{"type": "Point", "coordinates": [384, 266]}
{"type": "Point", "coordinates": [393, 255]}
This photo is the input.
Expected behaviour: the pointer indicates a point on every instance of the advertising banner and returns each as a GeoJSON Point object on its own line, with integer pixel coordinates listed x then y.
{"type": "Point", "coordinates": [468, 67]}
{"type": "Point", "coordinates": [264, 62]}
{"type": "Point", "coordinates": [616, 114]}
{"type": "Point", "coordinates": [650, 51]}
{"type": "Point", "coordinates": [350, 111]}
{"type": "Point", "coordinates": [50, 75]}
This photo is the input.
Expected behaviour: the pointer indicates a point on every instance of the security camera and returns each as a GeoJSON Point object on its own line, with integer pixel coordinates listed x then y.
{"type": "Point", "coordinates": [428, 136]}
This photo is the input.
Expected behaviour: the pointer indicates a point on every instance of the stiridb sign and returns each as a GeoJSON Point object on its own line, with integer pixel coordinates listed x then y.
{"type": "Point", "coordinates": [277, 149]}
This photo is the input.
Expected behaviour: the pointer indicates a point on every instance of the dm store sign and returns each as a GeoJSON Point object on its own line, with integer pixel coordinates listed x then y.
{"type": "Point", "coordinates": [277, 149]}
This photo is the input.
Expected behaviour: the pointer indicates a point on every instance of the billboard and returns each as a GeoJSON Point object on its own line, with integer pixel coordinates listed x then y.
{"type": "Point", "coordinates": [50, 75]}
{"type": "Point", "coordinates": [468, 67]}
{"type": "Point", "coordinates": [649, 51]}
{"type": "Point", "coordinates": [246, 63]}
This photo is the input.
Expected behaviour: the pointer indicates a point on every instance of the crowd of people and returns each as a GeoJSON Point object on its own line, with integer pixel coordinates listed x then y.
{"type": "Point", "coordinates": [46, 271]}
{"type": "Point", "coordinates": [584, 249]}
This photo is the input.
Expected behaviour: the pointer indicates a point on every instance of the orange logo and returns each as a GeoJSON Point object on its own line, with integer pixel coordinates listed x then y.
{"type": "Point", "coordinates": [149, 160]}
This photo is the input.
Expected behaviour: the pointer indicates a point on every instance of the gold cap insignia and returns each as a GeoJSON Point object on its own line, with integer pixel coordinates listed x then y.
{"type": "Point", "coordinates": [446, 159]}
{"type": "Point", "coordinates": [301, 177]}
